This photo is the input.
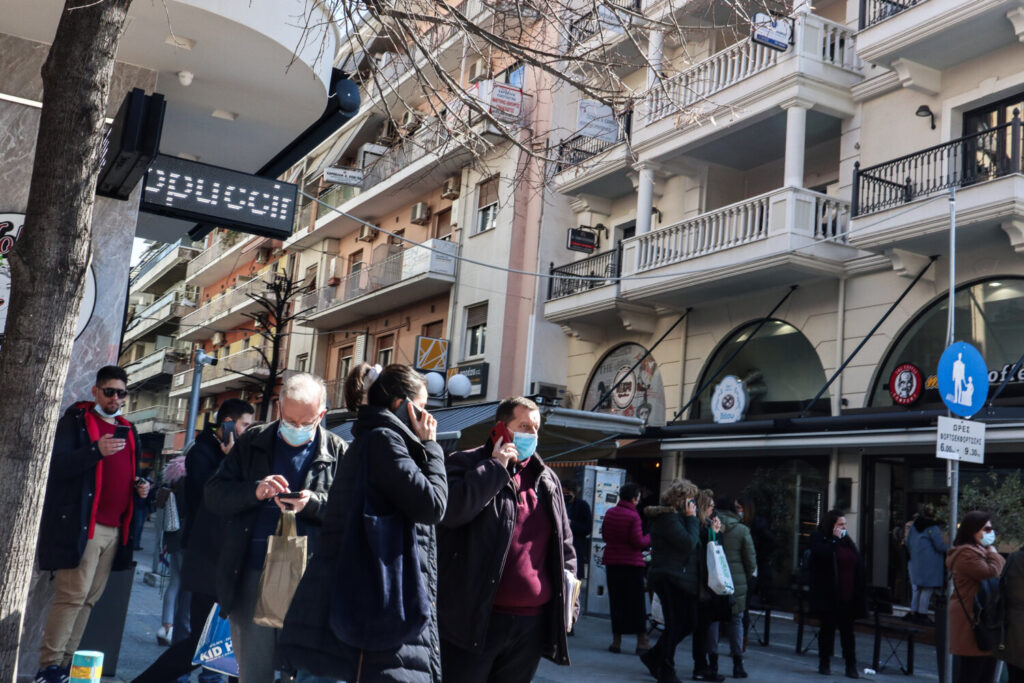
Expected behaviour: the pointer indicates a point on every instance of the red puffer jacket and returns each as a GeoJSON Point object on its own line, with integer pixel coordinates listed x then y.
{"type": "Point", "coordinates": [624, 536]}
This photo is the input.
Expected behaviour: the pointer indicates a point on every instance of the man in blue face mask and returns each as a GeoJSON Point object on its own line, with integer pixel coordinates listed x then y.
{"type": "Point", "coordinates": [504, 546]}
{"type": "Point", "coordinates": [293, 455]}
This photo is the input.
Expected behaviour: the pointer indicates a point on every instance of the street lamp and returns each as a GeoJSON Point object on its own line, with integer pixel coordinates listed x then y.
{"type": "Point", "coordinates": [202, 358]}
{"type": "Point", "coordinates": [457, 386]}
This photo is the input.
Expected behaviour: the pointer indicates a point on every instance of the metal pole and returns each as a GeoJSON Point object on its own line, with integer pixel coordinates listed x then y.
{"type": "Point", "coordinates": [193, 399]}
{"type": "Point", "coordinates": [952, 466]}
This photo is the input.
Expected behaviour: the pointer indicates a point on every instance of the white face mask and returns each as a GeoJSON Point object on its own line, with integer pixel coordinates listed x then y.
{"type": "Point", "coordinates": [104, 413]}
{"type": "Point", "coordinates": [988, 538]}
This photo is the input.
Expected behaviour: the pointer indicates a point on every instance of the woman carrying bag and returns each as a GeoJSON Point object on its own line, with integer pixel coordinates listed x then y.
{"type": "Point", "coordinates": [378, 532]}
{"type": "Point", "coordinates": [972, 559]}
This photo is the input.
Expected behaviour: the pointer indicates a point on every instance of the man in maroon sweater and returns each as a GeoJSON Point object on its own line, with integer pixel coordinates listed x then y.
{"type": "Point", "coordinates": [504, 546]}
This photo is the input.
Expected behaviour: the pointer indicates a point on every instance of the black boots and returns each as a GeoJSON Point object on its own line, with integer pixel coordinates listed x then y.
{"type": "Point", "coordinates": [851, 670]}
{"type": "Point", "coordinates": [710, 673]}
{"type": "Point", "coordinates": [737, 667]}
{"type": "Point", "coordinates": [824, 667]}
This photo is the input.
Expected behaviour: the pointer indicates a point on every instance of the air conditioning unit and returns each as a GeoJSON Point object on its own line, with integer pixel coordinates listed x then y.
{"type": "Point", "coordinates": [262, 255]}
{"type": "Point", "coordinates": [386, 134]}
{"type": "Point", "coordinates": [420, 213]}
{"type": "Point", "coordinates": [209, 403]}
{"type": "Point", "coordinates": [411, 120]}
{"type": "Point", "coordinates": [450, 187]}
{"type": "Point", "coordinates": [366, 234]}
{"type": "Point", "coordinates": [217, 339]}
{"type": "Point", "coordinates": [478, 70]}
{"type": "Point", "coordinates": [549, 392]}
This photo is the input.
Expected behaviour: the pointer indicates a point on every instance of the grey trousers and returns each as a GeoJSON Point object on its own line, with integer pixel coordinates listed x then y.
{"type": "Point", "coordinates": [254, 645]}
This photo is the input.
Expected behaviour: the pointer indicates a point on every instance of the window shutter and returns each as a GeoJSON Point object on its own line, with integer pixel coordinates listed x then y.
{"type": "Point", "coordinates": [476, 315]}
{"type": "Point", "coordinates": [487, 192]}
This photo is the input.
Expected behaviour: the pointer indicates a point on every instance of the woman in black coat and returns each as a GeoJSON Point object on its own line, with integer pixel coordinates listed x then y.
{"type": "Point", "coordinates": [392, 471]}
{"type": "Point", "coordinates": [837, 590]}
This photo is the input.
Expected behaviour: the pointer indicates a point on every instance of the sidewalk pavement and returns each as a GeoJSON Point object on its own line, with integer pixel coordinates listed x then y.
{"type": "Point", "coordinates": [588, 649]}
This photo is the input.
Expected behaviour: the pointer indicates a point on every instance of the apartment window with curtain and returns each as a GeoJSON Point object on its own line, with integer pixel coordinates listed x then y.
{"type": "Point", "coordinates": [476, 330]}
{"type": "Point", "coordinates": [487, 205]}
{"type": "Point", "coordinates": [385, 349]}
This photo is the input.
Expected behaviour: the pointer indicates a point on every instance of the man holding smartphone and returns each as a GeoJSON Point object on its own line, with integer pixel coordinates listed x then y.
{"type": "Point", "coordinates": [85, 532]}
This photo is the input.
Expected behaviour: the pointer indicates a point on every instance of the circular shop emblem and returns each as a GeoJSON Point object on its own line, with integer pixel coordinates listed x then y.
{"type": "Point", "coordinates": [729, 402]}
{"type": "Point", "coordinates": [626, 389]}
{"type": "Point", "coordinates": [905, 384]}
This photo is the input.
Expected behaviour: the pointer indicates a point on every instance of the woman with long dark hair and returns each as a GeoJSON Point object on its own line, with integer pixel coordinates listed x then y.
{"type": "Point", "coordinates": [837, 591]}
{"type": "Point", "coordinates": [390, 491]}
{"type": "Point", "coordinates": [624, 564]}
{"type": "Point", "coordinates": [971, 560]}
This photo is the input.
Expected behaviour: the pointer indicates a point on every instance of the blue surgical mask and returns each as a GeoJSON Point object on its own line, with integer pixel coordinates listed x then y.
{"type": "Point", "coordinates": [296, 436]}
{"type": "Point", "coordinates": [988, 538]}
{"type": "Point", "coordinates": [842, 533]}
{"type": "Point", "coordinates": [526, 445]}
{"type": "Point", "coordinates": [104, 413]}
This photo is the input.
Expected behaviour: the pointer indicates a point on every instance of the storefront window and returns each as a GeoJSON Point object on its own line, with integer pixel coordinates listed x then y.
{"type": "Point", "coordinates": [779, 368]}
{"type": "Point", "coordinates": [989, 315]}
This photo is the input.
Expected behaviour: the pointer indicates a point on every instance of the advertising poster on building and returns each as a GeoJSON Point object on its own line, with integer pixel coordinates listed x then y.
{"type": "Point", "coordinates": [596, 120]}
{"type": "Point", "coordinates": [639, 394]}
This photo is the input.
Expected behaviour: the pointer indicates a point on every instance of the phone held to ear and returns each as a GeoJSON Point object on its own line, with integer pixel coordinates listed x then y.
{"type": "Point", "coordinates": [122, 431]}
{"type": "Point", "coordinates": [402, 413]}
{"type": "Point", "coordinates": [499, 432]}
{"type": "Point", "coordinates": [229, 431]}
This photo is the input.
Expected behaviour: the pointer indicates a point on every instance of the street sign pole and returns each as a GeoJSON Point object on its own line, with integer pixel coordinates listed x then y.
{"type": "Point", "coordinates": [952, 466]}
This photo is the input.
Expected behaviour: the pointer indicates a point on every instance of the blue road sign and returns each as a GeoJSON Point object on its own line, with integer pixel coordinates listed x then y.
{"type": "Point", "coordinates": [963, 379]}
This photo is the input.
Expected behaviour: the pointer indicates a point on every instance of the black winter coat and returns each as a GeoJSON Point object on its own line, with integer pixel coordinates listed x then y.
{"type": "Point", "coordinates": [70, 487]}
{"type": "Point", "coordinates": [409, 475]}
{"type": "Point", "coordinates": [231, 492]}
{"type": "Point", "coordinates": [474, 539]}
{"type": "Point", "coordinates": [824, 577]}
{"type": "Point", "coordinates": [202, 530]}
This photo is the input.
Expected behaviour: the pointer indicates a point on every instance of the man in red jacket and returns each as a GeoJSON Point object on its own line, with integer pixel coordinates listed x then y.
{"type": "Point", "coordinates": [87, 514]}
{"type": "Point", "coordinates": [504, 547]}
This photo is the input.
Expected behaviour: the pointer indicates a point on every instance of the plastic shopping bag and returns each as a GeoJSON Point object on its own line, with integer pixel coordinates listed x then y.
{"type": "Point", "coordinates": [214, 651]}
{"type": "Point", "coordinates": [719, 576]}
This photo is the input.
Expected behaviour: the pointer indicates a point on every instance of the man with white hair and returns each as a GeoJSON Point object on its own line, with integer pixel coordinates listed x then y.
{"type": "Point", "coordinates": [294, 456]}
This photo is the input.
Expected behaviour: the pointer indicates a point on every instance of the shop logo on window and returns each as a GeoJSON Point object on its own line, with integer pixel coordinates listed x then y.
{"type": "Point", "coordinates": [729, 402]}
{"type": "Point", "coordinates": [905, 384]}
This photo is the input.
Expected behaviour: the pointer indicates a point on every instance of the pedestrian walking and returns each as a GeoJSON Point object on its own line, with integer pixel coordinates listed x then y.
{"type": "Point", "coordinates": [927, 549]}
{"type": "Point", "coordinates": [764, 547]}
{"type": "Point", "coordinates": [971, 560]}
{"type": "Point", "coordinates": [340, 624]}
{"type": "Point", "coordinates": [673, 574]}
{"type": "Point", "coordinates": [739, 551]}
{"type": "Point", "coordinates": [85, 530]}
{"type": "Point", "coordinates": [506, 552]}
{"type": "Point", "coordinates": [169, 501]}
{"type": "Point", "coordinates": [581, 522]}
{"type": "Point", "coordinates": [838, 594]}
{"type": "Point", "coordinates": [624, 566]}
{"type": "Point", "coordinates": [292, 454]}
{"type": "Point", "coordinates": [712, 609]}
{"type": "Point", "coordinates": [1013, 596]}
{"type": "Point", "coordinates": [201, 538]}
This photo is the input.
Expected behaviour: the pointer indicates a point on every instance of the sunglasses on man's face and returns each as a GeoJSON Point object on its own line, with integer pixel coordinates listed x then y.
{"type": "Point", "coordinates": [109, 393]}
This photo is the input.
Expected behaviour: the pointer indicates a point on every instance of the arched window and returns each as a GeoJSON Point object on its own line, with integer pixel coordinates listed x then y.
{"type": "Point", "coordinates": [779, 368]}
{"type": "Point", "coordinates": [989, 315]}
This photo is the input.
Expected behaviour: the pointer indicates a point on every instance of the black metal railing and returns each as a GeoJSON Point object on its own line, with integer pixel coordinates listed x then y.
{"type": "Point", "coordinates": [576, 149]}
{"type": "Point", "coordinates": [958, 163]}
{"type": "Point", "coordinates": [592, 22]}
{"type": "Point", "coordinates": [875, 11]}
{"type": "Point", "coordinates": [604, 265]}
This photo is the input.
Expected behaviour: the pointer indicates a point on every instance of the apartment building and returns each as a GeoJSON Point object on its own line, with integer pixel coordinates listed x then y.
{"type": "Point", "coordinates": [448, 208]}
{"type": "Point", "coordinates": [827, 164]}
{"type": "Point", "coordinates": [151, 352]}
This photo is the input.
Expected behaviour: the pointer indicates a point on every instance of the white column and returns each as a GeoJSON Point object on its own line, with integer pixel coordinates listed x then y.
{"type": "Point", "coordinates": [796, 135]}
{"type": "Point", "coordinates": [655, 49]}
{"type": "Point", "coordinates": [644, 197]}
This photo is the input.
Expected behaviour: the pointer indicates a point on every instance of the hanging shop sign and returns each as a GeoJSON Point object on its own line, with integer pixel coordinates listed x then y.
{"type": "Point", "coordinates": [963, 379]}
{"type": "Point", "coordinates": [581, 239]}
{"type": "Point", "coordinates": [597, 120]}
{"type": "Point", "coordinates": [193, 191]}
{"type": "Point", "coordinates": [640, 393]}
{"type": "Point", "coordinates": [729, 401]}
{"type": "Point", "coordinates": [340, 175]}
{"type": "Point", "coordinates": [776, 34]}
{"type": "Point", "coordinates": [131, 144]}
{"type": "Point", "coordinates": [431, 354]}
{"type": "Point", "coordinates": [962, 440]}
{"type": "Point", "coordinates": [905, 384]}
{"type": "Point", "coordinates": [10, 228]}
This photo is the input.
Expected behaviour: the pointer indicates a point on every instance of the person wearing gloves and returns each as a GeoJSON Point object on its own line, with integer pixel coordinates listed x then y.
{"type": "Point", "coordinates": [971, 560]}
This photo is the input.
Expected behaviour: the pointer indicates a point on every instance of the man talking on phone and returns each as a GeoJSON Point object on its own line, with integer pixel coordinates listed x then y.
{"type": "Point", "coordinates": [504, 546]}
{"type": "Point", "coordinates": [288, 464]}
{"type": "Point", "coordinates": [85, 531]}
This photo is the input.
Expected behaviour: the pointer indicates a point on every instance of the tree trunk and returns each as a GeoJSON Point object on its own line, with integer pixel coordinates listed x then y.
{"type": "Point", "coordinates": [48, 268]}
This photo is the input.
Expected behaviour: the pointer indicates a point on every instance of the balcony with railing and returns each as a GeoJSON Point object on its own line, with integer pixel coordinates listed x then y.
{"type": "Point", "coordinates": [228, 310]}
{"type": "Point", "coordinates": [210, 265]}
{"type": "Point", "coordinates": [162, 314]}
{"type": "Point", "coordinates": [819, 68]}
{"type": "Point", "coordinates": [162, 269]}
{"type": "Point", "coordinates": [234, 371]}
{"type": "Point", "coordinates": [158, 367]}
{"type": "Point", "coordinates": [157, 419]}
{"type": "Point", "coordinates": [605, 17]}
{"type": "Point", "coordinates": [936, 34]}
{"type": "Point", "coordinates": [892, 200]}
{"type": "Point", "coordinates": [592, 272]}
{"type": "Point", "coordinates": [413, 274]}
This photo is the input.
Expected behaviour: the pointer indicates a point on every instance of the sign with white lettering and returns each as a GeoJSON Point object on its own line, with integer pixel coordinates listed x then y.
{"type": "Point", "coordinates": [344, 176]}
{"type": "Point", "coordinates": [960, 440]}
{"type": "Point", "coordinates": [192, 191]}
{"type": "Point", "coordinates": [774, 33]}
{"type": "Point", "coordinates": [597, 120]}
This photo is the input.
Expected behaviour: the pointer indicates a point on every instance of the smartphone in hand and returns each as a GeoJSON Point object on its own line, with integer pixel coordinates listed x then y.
{"type": "Point", "coordinates": [402, 413]}
{"type": "Point", "coordinates": [122, 431]}
{"type": "Point", "coordinates": [229, 431]}
{"type": "Point", "coordinates": [290, 495]}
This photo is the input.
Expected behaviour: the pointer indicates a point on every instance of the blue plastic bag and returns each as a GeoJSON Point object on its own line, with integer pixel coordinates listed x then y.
{"type": "Point", "coordinates": [215, 651]}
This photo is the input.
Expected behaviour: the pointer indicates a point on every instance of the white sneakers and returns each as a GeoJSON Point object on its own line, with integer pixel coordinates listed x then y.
{"type": "Point", "coordinates": [164, 635]}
